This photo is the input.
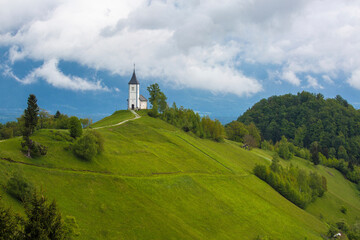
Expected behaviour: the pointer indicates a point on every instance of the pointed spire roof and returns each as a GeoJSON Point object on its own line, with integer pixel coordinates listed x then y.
{"type": "Point", "coordinates": [133, 79]}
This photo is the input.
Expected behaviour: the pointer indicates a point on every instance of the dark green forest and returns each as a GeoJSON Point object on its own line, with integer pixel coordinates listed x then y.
{"type": "Point", "coordinates": [308, 119]}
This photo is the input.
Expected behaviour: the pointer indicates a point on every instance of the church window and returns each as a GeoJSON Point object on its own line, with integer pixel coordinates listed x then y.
{"type": "Point", "coordinates": [132, 88]}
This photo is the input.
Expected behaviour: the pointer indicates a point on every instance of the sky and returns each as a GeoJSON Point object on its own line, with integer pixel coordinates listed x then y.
{"type": "Point", "coordinates": [215, 57]}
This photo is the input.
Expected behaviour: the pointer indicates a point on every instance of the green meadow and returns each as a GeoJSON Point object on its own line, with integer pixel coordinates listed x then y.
{"type": "Point", "coordinates": [154, 181]}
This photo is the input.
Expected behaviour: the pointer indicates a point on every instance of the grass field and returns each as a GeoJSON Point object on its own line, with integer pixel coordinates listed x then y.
{"type": "Point", "coordinates": [115, 118]}
{"type": "Point", "coordinates": [154, 181]}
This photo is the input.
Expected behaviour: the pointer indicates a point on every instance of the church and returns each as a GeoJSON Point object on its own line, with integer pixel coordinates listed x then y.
{"type": "Point", "coordinates": [136, 101]}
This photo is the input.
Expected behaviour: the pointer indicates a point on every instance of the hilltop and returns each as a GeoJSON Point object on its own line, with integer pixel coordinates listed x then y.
{"type": "Point", "coordinates": [306, 118]}
{"type": "Point", "coordinates": [154, 181]}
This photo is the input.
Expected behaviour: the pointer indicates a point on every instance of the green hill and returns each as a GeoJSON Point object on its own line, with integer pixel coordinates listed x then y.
{"type": "Point", "coordinates": [305, 118]}
{"type": "Point", "coordinates": [153, 181]}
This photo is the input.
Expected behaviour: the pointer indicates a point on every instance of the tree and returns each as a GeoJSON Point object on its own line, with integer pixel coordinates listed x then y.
{"type": "Point", "coordinates": [255, 133]}
{"type": "Point", "coordinates": [31, 114]}
{"type": "Point", "coordinates": [43, 221]}
{"type": "Point", "coordinates": [157, 99]}
{"type": "Point", "coordinates": [299, 136]}
{"type": "Point", "coordinates": [342, 154]}
{"type": "Point", "coordinates": [30, 122]}
{"type": "Point", "coordinates": [57, 114]}
{"type": "Point", "coordinates": [44, 118]}
{"type": "Point", "coordinates": [154, 91]}
{"type": "Point", "coordinates": [75, 127]}
{"type": "Point", "coordinates": [284, 150]}
{"type": "Point", "coordinates": [236, 131]}
{"type": "Point", "coordinates": [314, 150]}
{"type": "Point", "coordinates": [275, 163]}
{"type": "Point", "coordinates": [250, 141]}
{"type": "Point", "coordinates": [85, 122]}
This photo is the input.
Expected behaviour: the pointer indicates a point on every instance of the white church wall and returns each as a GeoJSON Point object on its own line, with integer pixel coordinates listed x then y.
{"type": "Point", "coordinates": [143, 105]}
{"type": "Point", "coordinates": [133, 93]}
{"type": "Point", "coordinates": [137, 96]}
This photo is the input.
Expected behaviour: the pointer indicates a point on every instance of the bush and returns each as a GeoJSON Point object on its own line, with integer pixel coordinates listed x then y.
{"type": "Point", "coordinates": [71, 228]}
{"type": "Point", "coordinates": [89, 145]}
{"type": "Point", "coordinates": [19, 188]}
{"type": "Point", "coordinates": [36, 149]}
{"type": "Point", "coordinates": [75, 127]}
{"type": "Point", "coordinates": [343, 209]}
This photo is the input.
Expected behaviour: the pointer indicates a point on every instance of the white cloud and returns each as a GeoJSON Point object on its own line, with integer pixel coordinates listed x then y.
{"type": "Point", "coordinates": [313, 83]}
{"type": "Point", "coordinates": [354, 80]}
{"type": "Point", "coordinates": [291, 77]}
{"type": "Point", "coordinates": [195, 44]}
{"type": "Point", "coordinates": [327, 79]}
{"type": "Point", "coordinates": [30, 78]}
{"type": "Point", "coordinates": [51, 74]}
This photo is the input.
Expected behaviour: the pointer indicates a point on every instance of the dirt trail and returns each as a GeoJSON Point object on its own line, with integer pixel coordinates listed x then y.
{"type": "Point", "coordinates": [106, 173]}
{"type": "Point", "coordinates": [117, 124]}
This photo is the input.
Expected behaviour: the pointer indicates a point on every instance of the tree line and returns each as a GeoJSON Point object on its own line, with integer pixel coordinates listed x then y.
{"type": "Point", "coordinates": [85, 146]}
{"type": "Point", "coordinates": [45, 121]}
{"type": "Point", "coordinates": [203, 127]}
{"type": "Point", "coordinates": [185, 119]}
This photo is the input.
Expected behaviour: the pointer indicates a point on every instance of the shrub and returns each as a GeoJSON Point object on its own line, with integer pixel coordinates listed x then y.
{"type": "Point", "coordinates": [36, 149]}
{"type": "Point", "coordinates": [19, 188]}
{"type": "Point", "coordinates": [343, 209]}
{"type": "Point", "coordinates": [75, 127]}
{"type": "Point", "coordinates": [71, 228]}
{"type": "Point", "coordinates": [343, 226]}
{"type": "Point", "coordinates": [89, 145]}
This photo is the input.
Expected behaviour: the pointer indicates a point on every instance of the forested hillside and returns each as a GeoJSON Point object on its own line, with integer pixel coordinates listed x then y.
{"type": "Point", "coordinates": [306, 118]}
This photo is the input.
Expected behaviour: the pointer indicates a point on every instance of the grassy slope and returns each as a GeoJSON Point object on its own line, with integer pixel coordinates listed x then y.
{"type": "Point", "coordinates": [341, 192]}
{"type": "Point", "coordinates": [116, 117]}
{"type": "Point", "coordinates": [162, 184]}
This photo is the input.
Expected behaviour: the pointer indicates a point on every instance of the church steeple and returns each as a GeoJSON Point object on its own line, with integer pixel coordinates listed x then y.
{"type": "Point", "coordinates": [133, 79]}
{"type": "Point", "coordinates": [135, 100]}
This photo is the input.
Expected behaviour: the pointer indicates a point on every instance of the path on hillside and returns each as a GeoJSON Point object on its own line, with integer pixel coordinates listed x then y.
{"type": "Point", "coordinates": [262, 156]}
{"type": "Point", "coordinates": [113, 125]}
{"type": "Point", "coordinates": [107, 173]}
{"type": "Point", "coordinates": [117, 124]}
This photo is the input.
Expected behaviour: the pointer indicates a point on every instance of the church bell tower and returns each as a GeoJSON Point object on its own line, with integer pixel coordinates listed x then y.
{"type": "Point", "coordinates": [134, 93]}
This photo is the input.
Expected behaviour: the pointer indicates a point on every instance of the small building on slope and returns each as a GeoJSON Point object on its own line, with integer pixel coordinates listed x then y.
{"type": "Point", "coordinates": [136, 101]}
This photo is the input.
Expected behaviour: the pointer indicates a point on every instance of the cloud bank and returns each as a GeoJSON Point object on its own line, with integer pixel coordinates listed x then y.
{"type": "Point", "coordinates": [51, 74]}
{"type": "Point", "coordinates": [192, 44]}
